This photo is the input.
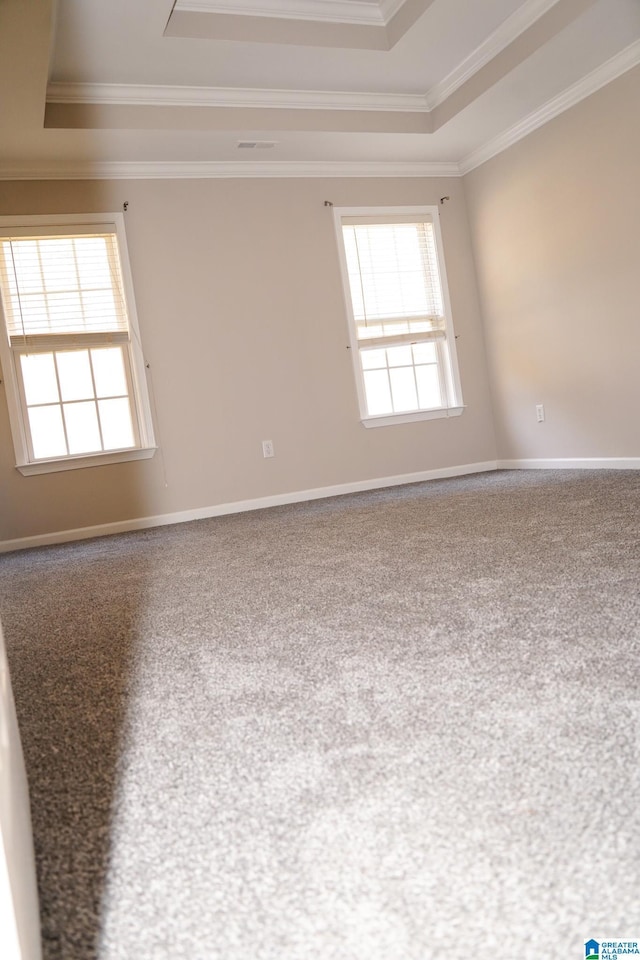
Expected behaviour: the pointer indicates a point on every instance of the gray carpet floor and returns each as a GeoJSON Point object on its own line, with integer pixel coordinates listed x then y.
{"type": "Point", "coordinates": [399, 725]}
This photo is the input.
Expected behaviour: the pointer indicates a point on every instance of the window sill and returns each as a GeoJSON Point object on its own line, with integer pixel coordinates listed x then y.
{"type": "Point", "coordinates": [92, 460]}
{"type": "Point", "coordinates": [395, 418]}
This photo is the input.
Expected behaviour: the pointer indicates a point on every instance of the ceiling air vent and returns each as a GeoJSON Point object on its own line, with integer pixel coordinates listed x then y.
{"type": "Point", "coordinates": [256, 144]}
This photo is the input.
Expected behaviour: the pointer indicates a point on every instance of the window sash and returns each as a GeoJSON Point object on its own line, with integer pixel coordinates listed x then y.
{"type": "Point", "coordinates": [408, 339]}
{"type": "Point", "coordinates": [393, 274]}
{"type": "Point", "coordinates": [62, 284]}
{"type": "Point", "coordinates": [43, 343]}
{"type": "Point", "coordinates": [63, 404]}
{"type": "Point", "coordinates": [423, 328]}
{"type": "Point", "coordinates": [439, 363]}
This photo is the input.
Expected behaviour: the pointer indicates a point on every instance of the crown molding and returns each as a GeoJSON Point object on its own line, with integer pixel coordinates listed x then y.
{"type": "Point", "coordinates": [373, 13]}
{"type": "Point", "coordinates": [610, 70]}
{"type": "Point", "coordinates": [232, 169]}
{"type": "Point", "coordinates": [167, 95]}
{"type": "Point", "coordinates": [183, 96]}
{"type": "Point", "coordinates": [508, 31]}
{"type": "Point", "coordinates": [389, 8]}
{"type": "Point", "coordinates": [613, 68]}
{"type": "Point", "coordinates": [363, 12]}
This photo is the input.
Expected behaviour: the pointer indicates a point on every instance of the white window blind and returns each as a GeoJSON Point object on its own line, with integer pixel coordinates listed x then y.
{"type": "Point", "coordinates": [394, 278]}
{"type": "Point", "coordinates": [62, 286]}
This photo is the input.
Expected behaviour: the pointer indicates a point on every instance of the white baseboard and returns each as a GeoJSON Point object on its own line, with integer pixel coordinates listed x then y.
{"type": "Point", "coordinates": [318, 493]}
{"type": "Point", "coordinates": [241, 506]}
{"type": "Point", "coordinates": [572, 463]}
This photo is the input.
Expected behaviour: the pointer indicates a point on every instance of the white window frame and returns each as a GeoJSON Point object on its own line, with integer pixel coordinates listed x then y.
{"type": "Point", "coordinates": [445, 347]}
{"type": "Point", "coordinates": [145, 447]}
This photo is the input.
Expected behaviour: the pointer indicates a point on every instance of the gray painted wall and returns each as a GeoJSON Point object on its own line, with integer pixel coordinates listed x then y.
{"type": "Point", "coordinates": [242, 317]}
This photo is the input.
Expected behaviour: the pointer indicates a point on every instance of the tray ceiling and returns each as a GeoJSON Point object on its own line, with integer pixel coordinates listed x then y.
{"type": "Point", "coordinates": [369, 87]}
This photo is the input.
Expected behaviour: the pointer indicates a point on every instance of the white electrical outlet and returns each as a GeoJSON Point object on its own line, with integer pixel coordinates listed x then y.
{"type": "Point", "coordinates": [267, 449]}
{"type": "Point", "coordinates": [539, 412]}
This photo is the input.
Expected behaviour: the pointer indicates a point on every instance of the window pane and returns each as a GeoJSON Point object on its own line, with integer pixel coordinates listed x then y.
{"type": "Point", "coordinates": [47, 432]}
{"type": "Point", "coordinates": [65, 312]}
{"type": "Point", "coordinates": [373, 359]}
{"type": "Point", "coordinates": [93, 262]}
{"type": "Point", "coordinates": [30, 315]}
{"type": "Point", "coordinates": [393, 270]}
{"type": "Point", "coordinates": [400, 356]}
{"type": "Point", "coordinates": [351, 251]}
{"type": "Point", "coordinates": [58, 267]}
{"type": "Point", "coordinates": [376, 384]}
{"type": "Point", "coordinates": [81, 420]}
{"type": "Point", "coordinates": [115, 420]}
{"type": "Point", "coordinates": [24, 256]}
{"type": "Point", "coordinates": [391, 329]}
{"type": "Point", "coordinates": [99, 310]}
{"type": "Point", "coordinates": [39, 377]}
{"type": "Point", "coordinates": [429, 386]}
{"type": "Point", "coordinates": [421, 326]}
{"type": "Point", "coordinates": [403, 387]}
{"type": "Point", "coordinates": [108, 372]}
{"type": "Point", "coordinates": [424, 352]}
{"type": "Point", "coordinates": [74, 372]}
{"type": "Point", "coordinates": [65, 284]}
{"type": "Point", "coordinates": [369, 332]}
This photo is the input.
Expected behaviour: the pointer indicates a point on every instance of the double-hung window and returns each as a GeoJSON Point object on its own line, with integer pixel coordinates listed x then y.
{"type": "Point", "coordinates": [70, 346]}
{"type": "Point", "coordinates": [400, 327]}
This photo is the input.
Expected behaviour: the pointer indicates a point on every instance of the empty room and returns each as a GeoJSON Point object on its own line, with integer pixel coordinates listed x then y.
{"type": "Point", "coordinates": [319, 479]}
